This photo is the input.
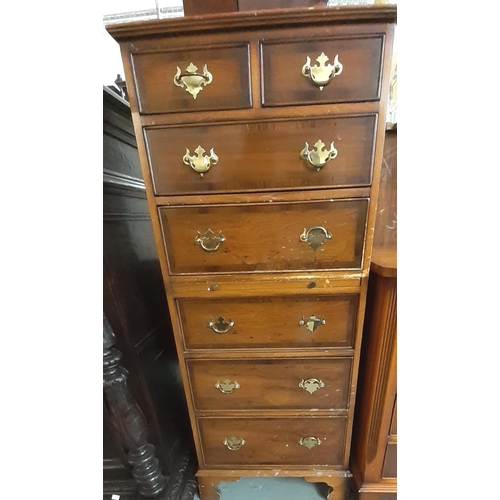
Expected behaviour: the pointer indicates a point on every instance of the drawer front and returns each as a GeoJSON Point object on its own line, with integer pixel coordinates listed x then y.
{"type": "Point", "coordinates": [283, 66]}
{"type": "Point", "coordinates": [265, 236]}
{"type": "Point", "coordinates": [271, 322]}
{"type": "Point", "coordinates": [263, 156]}
{"type": "Point", "coordinates": [270, 384]}
{"type": "Point", "coordinates": [269, 441]}
{"type": "Point", "coordinates": [226, 81]}
{"type": "Point", "coordinates": [391, 461]}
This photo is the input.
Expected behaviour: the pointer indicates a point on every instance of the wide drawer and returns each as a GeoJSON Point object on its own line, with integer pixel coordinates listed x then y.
{"type": "Point", "coordinates": [359, 80]}
{"type": "Point", "coordinates": [261, 156]}
{"type": "Point", "coordinates": [270, 383]}
{"type": "Point", "coordinates": [269, 322]}
{"type": "Point", "coordinates": [273, 441]}
{"type": "Point", "coordinates": [160, 79]}
{"type": "Point", "coordinates": [246, 237]}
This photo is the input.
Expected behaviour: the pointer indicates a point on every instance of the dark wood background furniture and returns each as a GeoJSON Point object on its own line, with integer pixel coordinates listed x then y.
{"type": "Point", "coordinates": [261, 136]}
{"type": "Point", "coordinates": [134, 304]}
{"type": "Point", "coordinates": [202, 7]}
{"type": "Point", "coordinates": [374, 457]}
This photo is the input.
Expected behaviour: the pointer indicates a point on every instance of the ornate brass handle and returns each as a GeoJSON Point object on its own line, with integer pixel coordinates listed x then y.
{"type": "Point", "coordinates": [192, 81]}
{"type": "Point", "coordinates": [311, 385]}
{"type": "Point", "coordinates": [310, 442]}
{"type": "Point", "coordinates": [234, 443]}
{"type": "Point", "coordinates": [322, 74]}
{"type": "Point", "coordinates": [312, 323]}
{"type": "Point", "coordinates": [221, 325]}
{"type": "Point", "coordinates": [200, 162]}
{"type": "Point", "coordinates": [226, 386]}
{"type": "Point", "coordinates": [315, 236]}
{"type": "Point", "coordinates": [320, 156]}
{"type": "Point", "coordinates": [210, 241]}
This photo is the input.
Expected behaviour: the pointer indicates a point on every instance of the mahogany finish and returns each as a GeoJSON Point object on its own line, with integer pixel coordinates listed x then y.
{"type": "Point", "coordinates": [263, 156]}
{"type": "Point", "coordinates": [270, 384]}
{"type": "Point", "coordinates": [229, 67]}
{"type": "Point", "coordinates": [271, 322]}
{"type": "Point", "coordinates": [259, 199]}
{"type": "Point", "coordinates": [273, 441]}
{"type": "Point", "coordinates": [359, 81]}
{"type": "Point", "coordinates": [265, 237]}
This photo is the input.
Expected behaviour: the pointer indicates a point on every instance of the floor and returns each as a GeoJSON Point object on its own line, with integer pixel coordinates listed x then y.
{"type": "Point", "coordinates": [290, 488]}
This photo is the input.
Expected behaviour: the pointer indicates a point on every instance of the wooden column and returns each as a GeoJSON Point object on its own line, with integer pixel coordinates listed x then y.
{"type": "Point", "coordinates": [128, 421]}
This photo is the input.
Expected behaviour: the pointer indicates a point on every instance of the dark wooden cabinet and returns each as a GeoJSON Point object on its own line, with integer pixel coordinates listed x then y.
{"type": "Point", "coordinates": [261, 138]}
{"type": "Point", "coordinates": [134, 304]}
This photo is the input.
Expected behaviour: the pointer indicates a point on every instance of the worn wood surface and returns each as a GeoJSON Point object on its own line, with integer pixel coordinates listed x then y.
{"type": "Point", "coordinates": [269, 322]}
{"type": "Point", "coordinates": [270, 384]}
{"type": "Point", "coordinates": [265, 237]}
{"type": "Point", "coordinates": [273, 441]}
{"type": "Point", "coordinates": [263, 156]}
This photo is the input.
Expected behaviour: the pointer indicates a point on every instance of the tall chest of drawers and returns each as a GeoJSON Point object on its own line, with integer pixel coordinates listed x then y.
{"type": "Point", "coordinates": [260, 137]}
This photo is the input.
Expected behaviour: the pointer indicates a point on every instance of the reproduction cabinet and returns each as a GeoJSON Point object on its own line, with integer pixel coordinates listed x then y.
{"type": "Point", "coordinates": [261, 136]}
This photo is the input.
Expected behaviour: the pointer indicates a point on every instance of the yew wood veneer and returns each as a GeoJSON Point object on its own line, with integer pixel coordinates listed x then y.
{"type": "Point", "coordinates": [261, 137]}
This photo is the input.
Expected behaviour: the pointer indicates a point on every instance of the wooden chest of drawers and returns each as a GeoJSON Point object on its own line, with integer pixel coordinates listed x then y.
{"type": "Point", "coordinates": [261, 138]}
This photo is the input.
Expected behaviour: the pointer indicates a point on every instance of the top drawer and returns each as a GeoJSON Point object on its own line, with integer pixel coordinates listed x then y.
{"type": "Point", "coordinates": [177, 81]}
{"type": "Point", "coordinates": [356, 79]}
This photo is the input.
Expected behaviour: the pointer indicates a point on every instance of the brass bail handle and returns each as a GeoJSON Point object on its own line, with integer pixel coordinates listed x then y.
{"type": "Point", "coordinates": [233, 443]}
{"type": "Point", "coordinates": [312, 323]}
{"type": "Point", "coordinates": [191, 80]}
{"type": "Point", "coordinates": [315, 236]}
{"type": "Point", "coordinates": [200, 162]}
{"type": "Point", "coordinates": [226, 386]}
{"type": "Point", "coordinates": [311, 385]}
{"type": "Point", "coordinates": [310, 442]}
{"type": "Point", "coordinates": [221, 325]}
{"type": "Point", "coordinates": [322, 73]}
{"type": "Point", "coordinates": [210, 241]}
{"type": "Point", "coordinates": [319, 156]}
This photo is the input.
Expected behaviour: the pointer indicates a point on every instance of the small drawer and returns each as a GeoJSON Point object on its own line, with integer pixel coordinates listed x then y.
{"type": "Point", "coordinates": [284, 65]}
{"type": "Point", "coordinates": [259, 156]}
{"type": "Point", "coordinates": [281, 236]}
{"type": "Point", "coordinates": [161, 79]}
{"type": "Point", "coordinates": [270, 384]}
{"type": "Point", "coordinates": [273, 441]}
{"type": "Point", "coordinates": [391, 461]}
{"type": "Point", "coordinates": [269, 322]}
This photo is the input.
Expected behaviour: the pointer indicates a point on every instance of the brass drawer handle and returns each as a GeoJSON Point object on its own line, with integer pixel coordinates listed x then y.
{"type": "Point", "coordinates": [311, 385]}
{"type": "Point", "coordinates": [315, 236]}
{"type": "Point", "coordinates": [199, 162]}
{"type": "Point", "coordinates": [192, 81]}
{"type": "Point", "coordinates": [210, 241]}
{"type": "Point", "coordinates": [322, 74]}
{"type": "Point", "coordinates": [226, 386]}
{"type": "Point", "coordinates": [312, 323]}
{"type": "Point", "coordinates": [221, 325]}
{"type": "Point", "coordinates": [310, 442]}
{"type": "Point", "coordinates": [320, 156]}
{"type": "Point", "coordinates": [233, 443]}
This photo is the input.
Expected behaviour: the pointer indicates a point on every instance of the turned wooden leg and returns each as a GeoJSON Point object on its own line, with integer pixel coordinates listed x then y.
{"type": "Point", "coordinates": [208, 486]}
{"type": "Point", "coordinates": [129, 423]}
{"type": "Point", "coordinates": [340, 486]}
